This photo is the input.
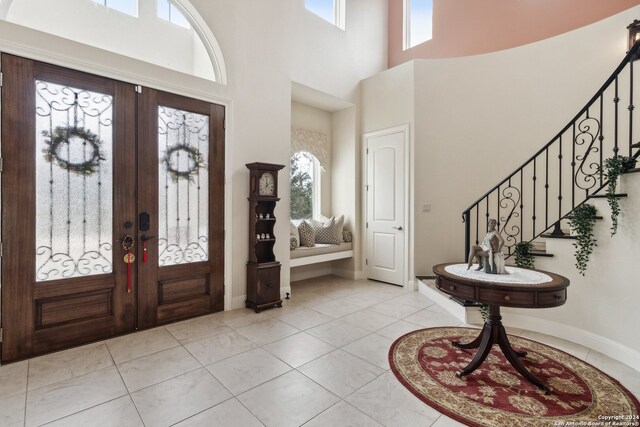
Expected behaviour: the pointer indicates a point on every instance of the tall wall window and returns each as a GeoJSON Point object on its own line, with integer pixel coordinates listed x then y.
{"type": "Point", "coordinates": [330, 10]}
{"type": "Point", "coordinates": [305, 186]}
{"type": "Point", "coordinates": [129, 7]}
{"type": "Point", "coordinates": [169, 12]}
{"type": "Point", "coordinates": [418, 22]}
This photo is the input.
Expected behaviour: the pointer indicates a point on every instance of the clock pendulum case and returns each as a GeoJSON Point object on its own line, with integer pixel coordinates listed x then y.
{"type": "Point", "coordinates": [263, 271]}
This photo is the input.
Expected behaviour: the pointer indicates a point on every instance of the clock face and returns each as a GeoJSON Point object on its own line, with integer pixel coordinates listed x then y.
{"type": "Point", "coordinates": [267, 185]}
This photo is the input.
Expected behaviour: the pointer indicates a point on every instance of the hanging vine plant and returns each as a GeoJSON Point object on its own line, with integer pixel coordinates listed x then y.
{"type": "Point", "coordinates": [582, 221]}
{"type": "Point", "coordinates": [195, 161]}
{"type": "Point", "coordinates": [613, 168]}
{"type": "Point", "coordinates": [63, 137]}
{"type": "Point", "coordinates": [524, 255]}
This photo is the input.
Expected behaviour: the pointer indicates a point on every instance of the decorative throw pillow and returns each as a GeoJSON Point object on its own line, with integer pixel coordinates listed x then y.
{"type": "Point", "coordinates": [293, 231]}
{"type": "Point", "coordinates": [307, 234]}
{"type": "Point", "coordinates": [325, 233]}
{"type": "Point", "coordinates": [347, 236]}
{"type": "Point", "coordinates": [340, 227]}
{"type": "Point", "coordinates": [293, 242]}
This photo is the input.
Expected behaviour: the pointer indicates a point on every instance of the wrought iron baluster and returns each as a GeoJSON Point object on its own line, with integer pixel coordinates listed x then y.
{"type": "Point", "coordinates": [560, 180]}
{"type": "Point", "coordinates": [477, 224]}
{"type": "Point", "coordinates": [546, 188]}
{"type": "Point", "coordinates": [573, 169]}
{"type": "Point", "coordinates": [601, 138]}
{"type": "Point", "coordinates": [466, 218]}
{"type": "Point", "coordinates": [533, 218]}
{"type": "Point", "coordinates": [521, 204]}
{"type": "Point", "coordinates": [486, 220]}
{"type": "Point", "coordinates": [631, 106]}
{"type": "Point", "coordinates": [616, 101]}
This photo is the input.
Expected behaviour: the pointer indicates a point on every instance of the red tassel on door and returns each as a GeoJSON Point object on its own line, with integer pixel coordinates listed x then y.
{"type": "Point", "coordinates": [129, 278]}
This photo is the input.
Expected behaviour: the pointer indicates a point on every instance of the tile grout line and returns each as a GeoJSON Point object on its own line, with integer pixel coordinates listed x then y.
{"type": "Point", "coordinates": [124, 383]}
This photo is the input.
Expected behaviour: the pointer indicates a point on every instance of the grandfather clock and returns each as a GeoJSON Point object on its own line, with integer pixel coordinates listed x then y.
{"type": "Point", "coordinates": [263, 271]}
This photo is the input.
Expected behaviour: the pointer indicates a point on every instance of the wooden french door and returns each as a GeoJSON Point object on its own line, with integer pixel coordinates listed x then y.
{"type": "Point", "coordinates": [90, 164]}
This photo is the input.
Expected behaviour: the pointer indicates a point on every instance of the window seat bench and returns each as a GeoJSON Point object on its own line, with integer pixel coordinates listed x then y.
{"type": "Point", "coordinates": [320, 253]}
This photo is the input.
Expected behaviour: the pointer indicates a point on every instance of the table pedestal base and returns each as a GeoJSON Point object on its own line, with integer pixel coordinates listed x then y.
{"type": "Point", "coordinates": [493, 333]}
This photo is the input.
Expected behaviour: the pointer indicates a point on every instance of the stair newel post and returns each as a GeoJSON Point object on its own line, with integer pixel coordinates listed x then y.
{"type": "Point", "coordinates": [466, 218]}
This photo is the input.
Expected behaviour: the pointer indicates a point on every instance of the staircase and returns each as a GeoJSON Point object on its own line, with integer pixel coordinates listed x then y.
{"type": "Point", "coordinates": [537, 199]}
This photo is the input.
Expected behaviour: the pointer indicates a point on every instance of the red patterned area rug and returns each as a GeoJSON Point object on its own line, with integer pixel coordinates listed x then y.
{"type": "Point", "coordinates": [495, 395]}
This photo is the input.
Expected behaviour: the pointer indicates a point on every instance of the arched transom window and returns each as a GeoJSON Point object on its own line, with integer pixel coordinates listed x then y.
{"type": "Point", "coordinates": [168, 33]}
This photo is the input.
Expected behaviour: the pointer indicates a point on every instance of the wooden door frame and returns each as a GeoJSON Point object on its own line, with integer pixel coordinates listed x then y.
{"type": "Point", "coordinates": [129, 71]}
{"type": "Point", "coordinates": [408, 282]}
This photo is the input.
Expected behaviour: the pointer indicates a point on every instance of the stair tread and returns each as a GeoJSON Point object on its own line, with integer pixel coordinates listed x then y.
{"type": "Point", "coordinates": [541, 253]}
{"type": "Point", "coordinates": [564, 236]}
{"type": "Point", "coordinates": [634, 170]}
{"type": "Point", "coordinates": [636, 145]}
{"type": "Point", "coordinates": [571, 217]}
{"type": "Point", "coordinates": [604, 196]}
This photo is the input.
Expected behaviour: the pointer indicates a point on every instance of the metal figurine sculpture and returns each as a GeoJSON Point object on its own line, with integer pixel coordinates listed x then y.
{"type": "Point", "coordinates": [489, 254]}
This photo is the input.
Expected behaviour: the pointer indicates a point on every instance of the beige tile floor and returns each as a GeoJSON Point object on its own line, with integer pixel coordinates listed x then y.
{"type": "Point", "coordinates": [319, 361]}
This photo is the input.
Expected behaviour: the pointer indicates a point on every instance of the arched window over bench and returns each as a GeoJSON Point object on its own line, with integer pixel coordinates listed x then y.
{"type": "Point", "coordinates": [309, 157]}
{"type": "Point", "coordinates": [168, 33]}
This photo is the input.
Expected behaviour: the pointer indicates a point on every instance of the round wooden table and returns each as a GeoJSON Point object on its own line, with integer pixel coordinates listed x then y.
{"type": "Point", "coordinates": [522, 288]}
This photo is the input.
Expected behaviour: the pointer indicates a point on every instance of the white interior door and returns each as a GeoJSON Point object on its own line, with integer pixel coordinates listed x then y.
{"type": "Point", "coordinates": [386, 206]}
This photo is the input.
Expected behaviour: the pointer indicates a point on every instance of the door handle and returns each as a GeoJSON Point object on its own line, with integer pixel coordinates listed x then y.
{"type": "Point", "coordinates": [398, 228]}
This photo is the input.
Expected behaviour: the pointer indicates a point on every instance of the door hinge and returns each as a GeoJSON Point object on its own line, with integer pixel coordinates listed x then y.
{"type": "Point", "coordinates": [366, 188]}
{"type": "Point", "coordinates": [1, 249]}
{"type": "Point", "coordinates": [367, 225]}
{"type": "Point", "coordinates": [367, 151]}
{"type": "Point", "coordinates": [1, 164]}
{"type": "Point", "coordinates": [366, 261]}
{"type": "Point", "coordinates": [138, 89]}
{"type": "Point", "coordinates": [0, 79]}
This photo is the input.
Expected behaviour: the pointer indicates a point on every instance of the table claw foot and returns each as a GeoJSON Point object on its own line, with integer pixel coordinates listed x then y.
{"type": "Point", "coordinates": [521, 353]}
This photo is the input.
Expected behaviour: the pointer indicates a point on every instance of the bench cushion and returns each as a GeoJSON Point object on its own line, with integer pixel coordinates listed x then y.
{"type": "Point", "coordinates": [320, 249]}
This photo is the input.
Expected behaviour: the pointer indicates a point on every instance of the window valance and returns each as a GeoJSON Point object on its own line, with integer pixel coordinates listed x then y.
{"type": "Point", "coordinates": [316, 143]}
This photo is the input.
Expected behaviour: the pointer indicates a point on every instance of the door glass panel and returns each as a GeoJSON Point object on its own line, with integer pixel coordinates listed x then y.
{"type": "Point", "coordinates": [183, 146]}
{"type": "Point", "coordinates": [74, 165]}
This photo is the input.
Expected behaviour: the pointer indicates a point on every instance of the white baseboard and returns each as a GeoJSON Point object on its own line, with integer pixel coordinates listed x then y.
{"type": "Point", "coordinates": [359, 275]}
{"type": "Point", "coordinates": [307, 272]}
{"type": "Point", "coordinates": [613, 349]}
{"type": "Point", "coordinates": [443, 300]}
{"type": "Point", "coordinates": [345, 273]}
{"type": "Point", "coordinates": [471, 315]}
{"type": "Point", "coordinates": [237, 302]}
